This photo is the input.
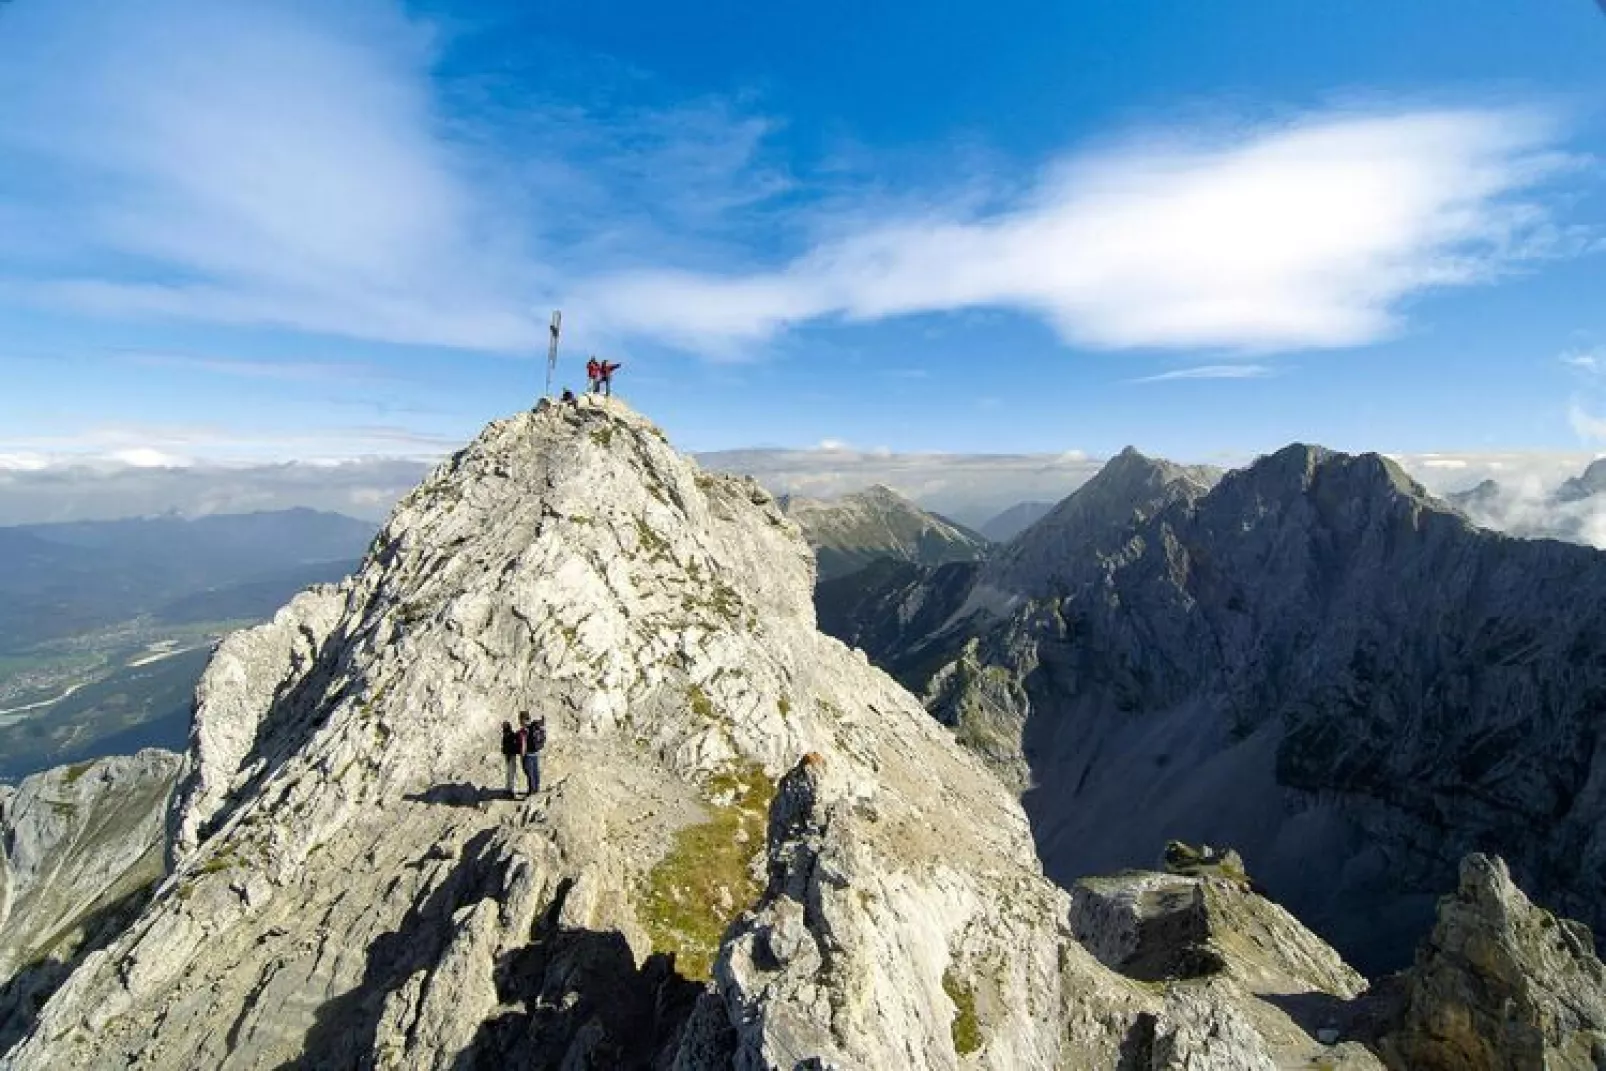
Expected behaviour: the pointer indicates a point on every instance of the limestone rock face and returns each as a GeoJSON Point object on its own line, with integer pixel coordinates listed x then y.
{"type": "Point", "coordinates": [80, 845]}
{"type": "Point", "coordinates": [1502, 984]}
{"type": "Point", "coordinates": [351, 889]}
{"type": "Point", "coordinates": [1247, 980]}
{"type": "Point", "coordinates": [232, 738]}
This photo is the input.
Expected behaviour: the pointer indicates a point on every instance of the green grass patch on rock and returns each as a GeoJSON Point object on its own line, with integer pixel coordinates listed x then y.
{"type": "Point", "coordinates": [706, 879]}
{"type": "Point", "coordinates": [76, 771]}
{"type": "Point", "coordinates": [966, 1027]}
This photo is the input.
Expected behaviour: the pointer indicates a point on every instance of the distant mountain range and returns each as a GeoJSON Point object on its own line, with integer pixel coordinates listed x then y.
{"type": "Point", "coordinates": [1574, 511]}
{"type": "Point", "coordinates": [850, 532]}
{"type": "Point", "coordinates": [64, 579]}
{"type": "Point", "coordinates": [1311, 659]}
{"type": "Point", "coordinates": [106, 625]}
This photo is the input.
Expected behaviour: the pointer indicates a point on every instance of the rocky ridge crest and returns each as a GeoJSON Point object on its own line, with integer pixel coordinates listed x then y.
{"type": "Point", "coordinates": [346, 890]}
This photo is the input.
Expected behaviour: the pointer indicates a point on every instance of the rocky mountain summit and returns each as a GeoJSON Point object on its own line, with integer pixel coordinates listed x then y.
{"type": "Point", "coordinates": [751, 849]}
{"type": "Point", "coordinates": [1087, 528]}
{"type": "Point", "coordinates": [80, 849]}
{"type": "Point", "coordinates": [1590, 482]}
{"type": "Point", "coordinates": [347, 891]}
{"type": "Point", "coordinates": [1314, 660]}
{"type": "Point", "coordinates": [851, 532]}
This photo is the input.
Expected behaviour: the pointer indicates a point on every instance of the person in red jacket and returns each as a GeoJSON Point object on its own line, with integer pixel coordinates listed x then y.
{"type": "Point", "coordinates": [593, 375]}
{"type": "Point", "coordinates": [606, 372]}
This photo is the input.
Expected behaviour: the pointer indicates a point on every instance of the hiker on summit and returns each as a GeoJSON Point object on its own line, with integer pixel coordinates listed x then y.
{"type": "Point", "coordinates": [593, 375]}
{"type": "Point", "coordinates": [533, 737]}
{"type": "Point", "coordinates": [605, 376]}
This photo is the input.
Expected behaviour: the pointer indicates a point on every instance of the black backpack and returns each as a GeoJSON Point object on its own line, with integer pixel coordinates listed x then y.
{"type": "Point", "coordinates": [538, 735]}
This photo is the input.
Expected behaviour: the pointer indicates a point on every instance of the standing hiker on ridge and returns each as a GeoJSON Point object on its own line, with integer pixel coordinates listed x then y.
{"type": "Point", "coordinates": [606, 373]}
{"type": "Point", "coordinates": [512, 748]}
{"type": "Point", "coordinates": [593, 375]}
{"type": "Point", "coordinates": [534, 739]}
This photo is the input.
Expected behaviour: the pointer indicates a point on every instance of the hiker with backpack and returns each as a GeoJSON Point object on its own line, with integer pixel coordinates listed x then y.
{"type": "Point", "coordinates": [512, 749]}
{"type": "Point", "coordinates": [533, 736]}
{"type": "Point", "coordinates": [593, 375]}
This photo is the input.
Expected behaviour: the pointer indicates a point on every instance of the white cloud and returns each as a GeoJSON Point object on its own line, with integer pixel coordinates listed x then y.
{"type": "Point", "coordinates": [1306, 234]}
{"type": "Point", "coordinates": [148, 446]}
{"type": "Point", "coordinates": [301, 165]}
{"type": "Point", "coordinates": [1586, 424]}
{"type": "Point", "coordinates": [68, 492]}
{"type": "Point", "coordinates": [1591, 361]}
{"type": "Point", "coordinates": [143, 457]}
{"type": "Point", "coordinates": [1211, 371]}
{"type": "Point", "coordinates": [254, 163]}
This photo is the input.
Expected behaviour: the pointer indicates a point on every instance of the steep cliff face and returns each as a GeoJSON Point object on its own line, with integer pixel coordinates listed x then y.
{"type": "Point", "coordinates": [350, 889]}
{"type": "Point", "coordinates": [1317, 662]}
{"type": "Point", "coordinates": [853, 531]}
{"type": "Point", "coordinates": [80, 846]}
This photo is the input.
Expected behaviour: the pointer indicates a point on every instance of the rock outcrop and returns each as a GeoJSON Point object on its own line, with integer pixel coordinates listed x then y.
{"type": "Point", "coordinates": [853, 531]}
{"type": "Point", "coordinates": [1501, 984]}
{"type": "Point", "coordinates": [80, 848]}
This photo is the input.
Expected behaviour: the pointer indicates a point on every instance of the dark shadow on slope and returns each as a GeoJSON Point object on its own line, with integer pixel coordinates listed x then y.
{"type": "Point", "coordinates": [1137, 1048]}
{"type": "Point", "coordinates": [571, 997]}
{"type": "Point", "coordinates": [577, 999]}
{"type": "Point", "coordinates": [345, 1028]}
{"type": "Point", "coordinates": [1366, 1018]}
{"type": "Point", "coordinates": [457, 794]}
{"type": "Point", "coordinates": [24, 996]}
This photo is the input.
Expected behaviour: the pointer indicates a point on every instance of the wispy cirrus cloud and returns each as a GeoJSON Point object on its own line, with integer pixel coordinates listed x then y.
{"type": "Point", "coordinates": [1304, 234]}
{"type": "Point", "coordinates": [308, 166]}
{"type": "Point", "coordinates": [1210, 371]}
{"type": "Point", "coordinates": [289, 371]}
{"type": "Point", "coordinates": [250, 163]}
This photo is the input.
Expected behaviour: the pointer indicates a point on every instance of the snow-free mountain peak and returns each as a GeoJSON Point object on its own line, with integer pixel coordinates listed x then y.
{"type": "Point", "coordinates": [1590, 482]}
{"type": "Point", "coordinates": [349, 889]}
{"type": "Point", "coordinates": [1090, 524]}
{"type": "Point", "coordinates": [850, 532]}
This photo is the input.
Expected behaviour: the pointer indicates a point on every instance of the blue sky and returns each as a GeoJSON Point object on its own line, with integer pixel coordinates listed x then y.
{"type": "Point", "coordinates": [303, 230]}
